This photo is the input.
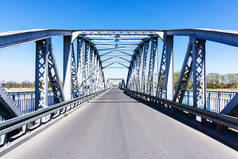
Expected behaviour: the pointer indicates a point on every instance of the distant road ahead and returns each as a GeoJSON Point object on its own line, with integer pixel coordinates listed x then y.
{"type": "Point", "coordinates": [115, 126]}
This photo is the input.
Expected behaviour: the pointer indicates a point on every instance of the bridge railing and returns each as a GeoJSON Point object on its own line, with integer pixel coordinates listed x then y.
{"type": "Point", "coordinates": [216, 100]}
{"type": "Point", "coordinates": [30, 121]}
{"type": "Point", "coordinates": [219, 121]}
{"type": "Point", "coordinates": [25, 100]}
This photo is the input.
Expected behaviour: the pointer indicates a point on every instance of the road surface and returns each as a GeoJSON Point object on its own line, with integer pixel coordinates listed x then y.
{"type": "Point", "coordinates": [115, 126]}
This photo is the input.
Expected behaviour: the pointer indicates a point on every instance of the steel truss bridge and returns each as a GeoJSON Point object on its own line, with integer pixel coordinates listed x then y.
{"type": "Point", "coordinates": [136, 121]}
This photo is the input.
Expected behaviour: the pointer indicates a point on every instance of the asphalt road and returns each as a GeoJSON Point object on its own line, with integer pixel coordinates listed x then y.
{"type": "Point", "coordinates": [115, 126]}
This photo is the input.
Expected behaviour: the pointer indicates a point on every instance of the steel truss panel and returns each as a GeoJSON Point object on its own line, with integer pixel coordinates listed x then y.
{"type": "Point", "coordinates": [71, 89]}
{"type": "Point", "coordinates": [138, 67]}
{"type": "Point", "coordinates": [166, 72]}
{"type": "Point", "coordinates": [80, 62]}
{"type": "Point", "coordinates": [199, 73]}
{"type": "Point", "coordinates": [194, 63]}
{"type": "Point", "coordinates": [74, 75]}
{"type": "Point", "coordinates": [46, 71]}
{"type": "Point", "coordinates": [91, 69]}
{"type": "Point", "coordinates": [142, 52]}
{"type": "Point", "coordinates": [144, 67]}
{"type": "Point", "coordinates": [154, 47]}
{"type": "Point", "coordinates": [185, 74]}
{"type": "Point", "coordinates": [86, 68]}
{"type": "Point", "coordinates": [161, 85]}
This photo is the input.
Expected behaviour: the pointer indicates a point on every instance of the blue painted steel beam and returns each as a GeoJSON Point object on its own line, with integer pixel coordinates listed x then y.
{"type": "Point", "coordinates": [221, 36]}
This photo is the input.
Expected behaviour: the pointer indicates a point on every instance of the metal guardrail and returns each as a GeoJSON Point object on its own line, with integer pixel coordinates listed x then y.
{"type": "Point", "coordinates": [216, 100]}
{"type": "Point", "coordinates": [219, 119]}
{"type": "Point", "coordinates": [25, 100]}
{"type": "Point", "coordinates": [51, 112]}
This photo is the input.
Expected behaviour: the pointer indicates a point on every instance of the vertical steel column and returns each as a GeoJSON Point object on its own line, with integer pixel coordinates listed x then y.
{"type": "Point", "coordinates": [38, 64]}
{"type": "Point", "coordinates": [169, 68]}
{"type": "Point", "coordinates": [154, 44]}
{"type": "Point", "coordinates": [144, 80]}
{"type": "Point", "coordinates": [82, 63]}
{"type": "Point", "coordinates": [132, 77]}
{"type": "Point", "coordinates": [166, 73]}
{"type": "Point", "coordinates": [97, 74]}
{"type": "Point", "coordinates": [155, 72]}
{"type": "Point", "coordinates": [161, 84]}
{"type": "Point", "coordinates": [199, 73]}
{"type": "Point", "coordinates": [91, 69]}
{"type": "Point", "coordinates": [80, 57]}
{"type": "Point", "coordinates": [41, 74]}
{"type": "Point", "coordinates": [85, 68]}
{"type": "Point", "coordinates": [141, 67]}
{"type": "Point", "coordinates": [74, 74]}
{"type": "Point", "coordinates": [138, 69]}
{"type": "Point", "coordinates": [87, 60]}
{"type": "Point", "coordinates": [46, 71]}
{"type": "Point", "coordinates": [67, 67]}
{"type": "Point", "coordinates": [95, 71]}
{"type": "Point", "coordinates": [134, 74]}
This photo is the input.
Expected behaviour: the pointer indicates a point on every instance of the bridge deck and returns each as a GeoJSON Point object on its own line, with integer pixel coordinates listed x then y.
{"type": "Point", "coordinates": [117, 126]}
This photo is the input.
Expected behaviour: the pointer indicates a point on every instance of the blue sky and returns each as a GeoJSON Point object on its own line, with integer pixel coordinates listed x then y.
{"type": "Point", "coordinates": [18, 63]}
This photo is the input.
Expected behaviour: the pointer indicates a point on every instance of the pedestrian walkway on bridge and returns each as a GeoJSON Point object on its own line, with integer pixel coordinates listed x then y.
{"type": "Point", "coordinates": [115, 126]}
